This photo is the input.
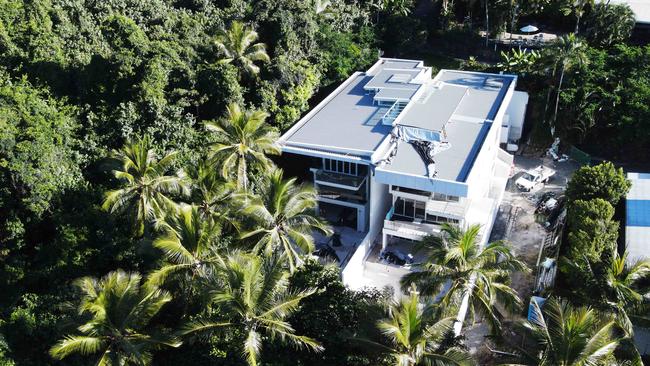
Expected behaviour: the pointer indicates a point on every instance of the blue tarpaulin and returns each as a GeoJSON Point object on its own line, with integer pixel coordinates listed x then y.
{"type": "Point", "coordinates": [532, 316]}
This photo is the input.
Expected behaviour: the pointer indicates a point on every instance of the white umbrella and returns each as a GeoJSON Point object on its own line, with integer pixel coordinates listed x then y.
{"type": "Point", "coordinates": [529, 29]}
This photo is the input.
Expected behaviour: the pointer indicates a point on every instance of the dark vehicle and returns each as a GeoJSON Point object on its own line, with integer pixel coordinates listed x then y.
{"type": "Point", "coordinates": [548, 203]}
{"type": "Point", "coordinates": [392, 258]}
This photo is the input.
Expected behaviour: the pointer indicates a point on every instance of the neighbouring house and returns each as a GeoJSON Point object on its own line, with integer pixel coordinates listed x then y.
{"type": "Point", "coordinates": [395, 151]}
{"type": "Point", "coordinates": [637, 237]}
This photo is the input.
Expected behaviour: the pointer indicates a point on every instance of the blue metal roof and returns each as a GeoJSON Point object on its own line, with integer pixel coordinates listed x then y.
{"type": "Point", "coordinates": [638, 213]}
{"type": "Point", "coordinates": [644, 175]}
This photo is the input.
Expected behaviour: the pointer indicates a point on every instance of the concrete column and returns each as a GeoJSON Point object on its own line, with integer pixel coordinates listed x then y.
{"type": "Point", "coordinates": [384, 239]}
{"type": "Point", "coordinates": [361, 219]}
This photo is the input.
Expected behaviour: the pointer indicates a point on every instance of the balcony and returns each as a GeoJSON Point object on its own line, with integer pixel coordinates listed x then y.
{"type": "Point", "coordinates": [409, 228]}
{"type": "Point", "coordinates": [338, 180]}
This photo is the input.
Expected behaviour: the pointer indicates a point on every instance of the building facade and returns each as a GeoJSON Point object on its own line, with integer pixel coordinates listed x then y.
{"type": "Point", "coordinates": [394, 152]}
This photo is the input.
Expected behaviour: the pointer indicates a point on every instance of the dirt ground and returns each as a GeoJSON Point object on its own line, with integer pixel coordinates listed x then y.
{"type": "Point", "coordinates": [516, 224]}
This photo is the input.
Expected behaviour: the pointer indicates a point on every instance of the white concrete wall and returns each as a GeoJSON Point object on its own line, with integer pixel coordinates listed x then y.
{"type": "Point", "coordinates": [483, 168]}
{"type": "Point", "coordinates": [483, 165]}
{"type": "Point", "coordinates": [380, 202]}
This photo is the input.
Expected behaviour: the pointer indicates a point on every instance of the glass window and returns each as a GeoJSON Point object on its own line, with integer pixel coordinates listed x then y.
{"type": "Point", "coordinates": [445, 197]}
{"type": "Point", "coordinates": [439, 197]}
{"type": "Point", "coordinates": [327, 165]}
{"type": "Point", "coordinates": [399, 207]}
{"type": "Point", "coordinates": [409, 208]}
{"type": "Point", "coordinates": [419, 210]}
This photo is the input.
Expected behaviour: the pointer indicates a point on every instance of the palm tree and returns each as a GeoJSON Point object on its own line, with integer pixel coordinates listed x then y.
{"type": "Point", "coordinates": [252, 294]}
{"type": "Point", "coordinates": [284, 216]}
{"type": "Point", "coordinates": [417, 335]}
{"type": "Point", "coordinates": [189, 242]}
{"type": "Point", "coordinates": [455, 259]}
{"type": "Point", "coordinates": [577, 8]}
{"type": "Point", "coordinates": [563, 335]}
{"type": "Point", "coordinates": [237, 45]}
{"type": "Point", "coordinates": [625, 288]}
{"type": "Point", "coordinates": [118, 330]}
{"type": "Point", "coordinates": [146, 183]}
{"type": "Point", "coordinates": [568, 52]}
{"type": "Point", "coordinates": [211, 193]}
{"type": "Point", "coordinates": [242, 140]}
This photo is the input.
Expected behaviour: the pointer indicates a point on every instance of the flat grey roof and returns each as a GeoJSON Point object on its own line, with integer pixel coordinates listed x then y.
{"type": "Point", "coordinates": [485, 92]}
{"type": "Point", "coordinates": [350, 120]}
{"type": "Point", "coordinates": [451, 164]}
{"type": "Point", "coordinates": [400, 64]}
{"type": "Point", "coordinates": [466, 105]}
{"type": "Point", "coordinates": [395, 94]}
{"type": "Point", "coordinates": [435, 108]}
{"type": "Point", "coordinates": [394, 79]}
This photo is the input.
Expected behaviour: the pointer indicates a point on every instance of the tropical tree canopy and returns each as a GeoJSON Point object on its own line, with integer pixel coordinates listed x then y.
{"type": "Point", "coordinates": [599, 181]}
{"type": "Point", "coordinates": [519, 61]}
{"type": "Point", "coordinates": [284, 218]}
{"type": "Point", "coordinates": [480, 273]}
{"type": "Point", "coordinates": [242, 141]}
{"type": "Point", "coordinates": [146, 183]}
{"type": "Point", "coordinates": [253, 294]}
{"type": "Point", "coordinates": [608, 24]}
{"type": "Point", "coordinates": [118, 331]}
{"type": "Point", "coordinates": [189, 243]}
{"type": "Point", "coordinates": [564, 335]}
{"type": "Point", "coordinates": [567, 52]}
{"type": "Point", "coordinates": [417, 335]}
{"type": "Point", "coordinates": [212, 193]}
{"type": "Point", "coordinates": [237, 45]}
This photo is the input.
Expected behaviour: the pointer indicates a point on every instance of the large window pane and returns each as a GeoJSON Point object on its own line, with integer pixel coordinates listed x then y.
{"type": "Point", "coordinates": [419, 210]}
{"type": "Point", "coordinates": [409, 208]}
{"type": "Point", "coordinates": [399, 207]}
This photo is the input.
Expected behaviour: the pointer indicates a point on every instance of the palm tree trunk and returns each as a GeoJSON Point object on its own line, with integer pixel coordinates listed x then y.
{"type": "Point", "coordinates": [242, 178]}
{"type": "Point", "coordinates": [487, 24]}
{"type": "Point", "coordinates": [557, 97]}
{"type": "Point", "coordinates": [548, 96]}
{"type": "Point", "coordinates": [577, 25]}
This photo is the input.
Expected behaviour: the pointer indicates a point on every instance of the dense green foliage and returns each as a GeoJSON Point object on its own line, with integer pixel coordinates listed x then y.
{"type": "Point", "coordinates": [135, 134]}
{"type": "Point", "coordinates": [610, 282]}
{"type": "Point", "coordinates": [592, 232]}
{"type": "Point", "coordinates": [80, 79]}
{"type": "Point", "coordinates": [599, 181]}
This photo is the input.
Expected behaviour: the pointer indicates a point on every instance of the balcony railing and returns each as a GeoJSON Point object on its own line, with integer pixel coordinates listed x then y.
{"type": "Point", "coordinates": [351, 182]}
{"type": "Point", "coordinates": [420, 229]}
{"type": "Point", "coordinates": [392, 222]}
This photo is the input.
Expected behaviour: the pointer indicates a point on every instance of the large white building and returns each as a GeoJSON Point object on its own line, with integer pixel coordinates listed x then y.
{"type": "Point", "coordinates": [395, 151]}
